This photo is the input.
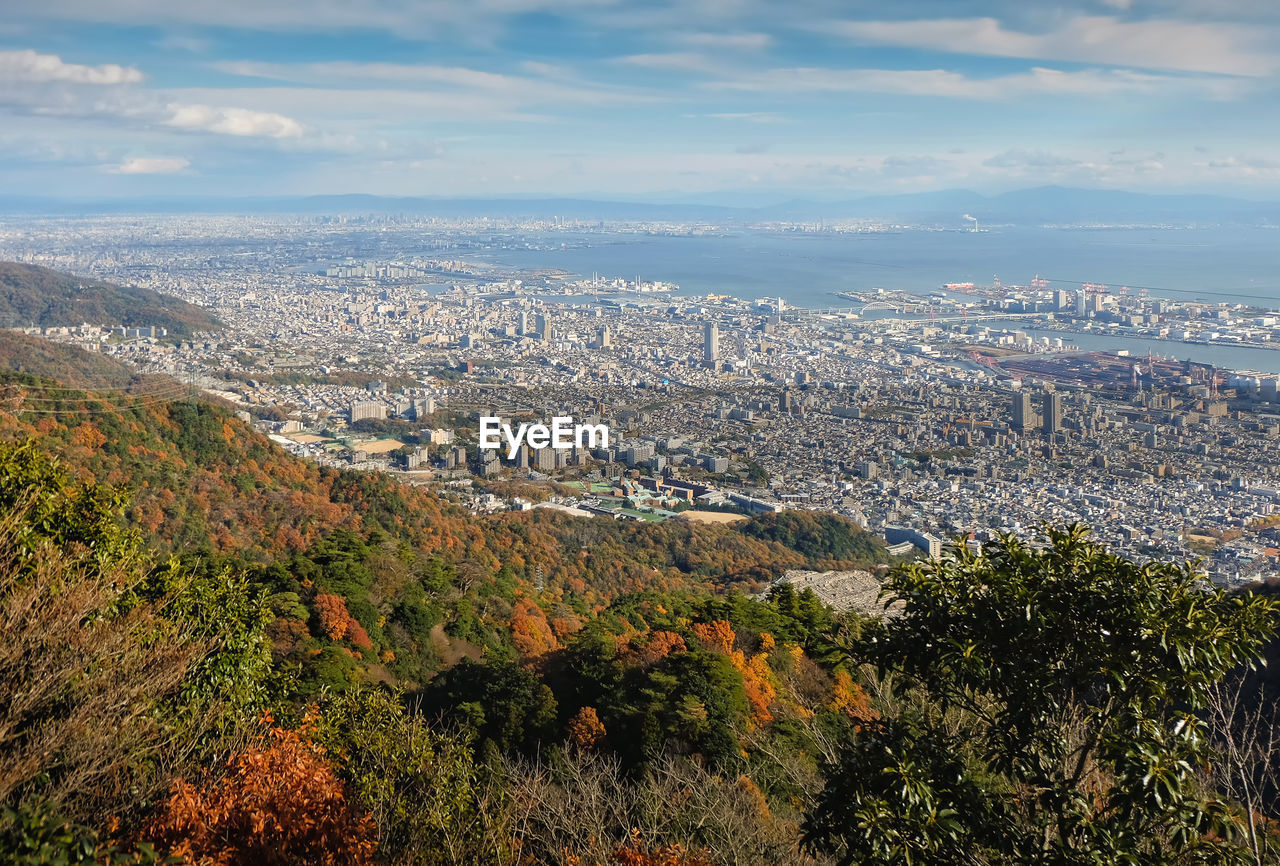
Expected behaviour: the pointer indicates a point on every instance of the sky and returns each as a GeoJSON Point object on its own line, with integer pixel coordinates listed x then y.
{"type": "Point", "coordinates": [735, 101]}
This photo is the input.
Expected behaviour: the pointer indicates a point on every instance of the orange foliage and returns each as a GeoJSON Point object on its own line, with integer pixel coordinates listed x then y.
{"type": "Point", "coordinates": [586, 729]}
{"type": "Point", "coordinates": [850, 698]}
{"type": "Point", "coordinates": [757, 682]}
{"type": "Point", "coordinates": [757, 679]}
{"type": "Point", "coordinates": [753, 792]}
{"type": "Point", "coordinates": [337, 621]}
{"type": "Point", "coordinates": [564, 626]}
{"type": "Point", "coordinates": [280, 803]}
{"type": "Point", "coordinates": [635, 854]}
{"type": "Point", "coordinates": [716, 636]}
{"type": "Point", "coordinates": [89, 435]}
{"type": "Point", "coordinates": [660, 645]}
{"type": "Point", "coordinates": [334, 618]}
{"type": "Point", "coordinates": [530, 632]}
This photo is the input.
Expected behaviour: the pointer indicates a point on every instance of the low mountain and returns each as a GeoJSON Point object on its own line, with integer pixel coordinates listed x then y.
{"type": "Point", "coordinates": [34, 296]}
{"type": "Point", "coordinates": [1051, 205]}
{"type": "Point", "coordinates": [425, 581]}
{"type": "Point", "coordinates": [68, 365]}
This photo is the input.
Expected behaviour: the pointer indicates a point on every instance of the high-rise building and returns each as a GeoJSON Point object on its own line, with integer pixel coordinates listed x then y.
{"type": "Point", "coordinates": [544, 459]}
{"type": "Point", "coordinates": [364, 409]}
{"type": "Point", "coordinates": [421, 408]}
{"type": "Point", "coordinates": [1023, 416]}
{"type": "Point", "coordinates": [1080, 302]}
{"type": "Point", "coordinates": [606, 338]}
{"type": "Point", "coordinates": [711, 342]}
{"type": "Point", "coordinates": [1052, 403]}
{"type": "Point", "coordinates": [543, 325]}
{"type": "Point", "coordinates": [524, 323]}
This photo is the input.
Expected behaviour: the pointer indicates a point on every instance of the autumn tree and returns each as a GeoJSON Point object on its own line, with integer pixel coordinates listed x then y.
{"type": "Point", "coordinates": [279, 803]}
{"type": "Point", "coordinates": [585, 729]}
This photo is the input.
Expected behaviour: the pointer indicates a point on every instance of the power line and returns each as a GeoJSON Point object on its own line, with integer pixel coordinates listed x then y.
{"type": "Point", "coordinates": [41, 394]}
{"type": "Point", "coordinates": [73, 397]}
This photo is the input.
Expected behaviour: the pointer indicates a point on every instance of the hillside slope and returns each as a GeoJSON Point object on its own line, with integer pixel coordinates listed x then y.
{"type": "Point", "coordinates": [36, 296]}
{"type": "Point", "coordinates": [68, 365]}
{"type": "Point", "coordinates": [427, 581]}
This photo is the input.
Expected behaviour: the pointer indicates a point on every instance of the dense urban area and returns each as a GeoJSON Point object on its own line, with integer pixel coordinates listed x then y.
{"type": "Point", "coordinates": [380, 343]}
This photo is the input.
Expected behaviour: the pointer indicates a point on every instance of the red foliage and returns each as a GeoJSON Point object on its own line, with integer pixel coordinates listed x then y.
{"type": "Point", "coordinates": [279, 803]}
{"type": "Point", "coordinates": [337, 621]}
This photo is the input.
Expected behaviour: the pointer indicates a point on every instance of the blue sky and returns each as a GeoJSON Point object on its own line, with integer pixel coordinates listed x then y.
{"type": "Point", "coordinates": [742, 100]}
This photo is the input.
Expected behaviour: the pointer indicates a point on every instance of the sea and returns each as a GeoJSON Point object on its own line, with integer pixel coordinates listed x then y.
{"type": "Point", "coordinates": [807, 268]}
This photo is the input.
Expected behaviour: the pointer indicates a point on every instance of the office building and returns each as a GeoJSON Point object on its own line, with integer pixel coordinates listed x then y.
{"type": "Point", "coordinates": [1052, 421]}
{"type": "Point", "coordinates": [1023, 416]}
{"type": "Point", "coordinates": [711, 342]}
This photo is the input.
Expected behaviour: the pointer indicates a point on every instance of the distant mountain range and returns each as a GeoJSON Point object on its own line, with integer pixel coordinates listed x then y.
{"type": "Point", "coordinates": [32, 296]}
{"type": "Point", "coordinates": [1043, 205]}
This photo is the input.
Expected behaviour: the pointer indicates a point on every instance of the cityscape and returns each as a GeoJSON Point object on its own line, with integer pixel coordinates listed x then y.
{"type": "Point", "coordinates": [663, 433]}
{"type": "Point", "coordinates": [965, 412]}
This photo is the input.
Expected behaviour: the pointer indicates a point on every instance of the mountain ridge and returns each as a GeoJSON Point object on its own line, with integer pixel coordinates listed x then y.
{"type": "Point", "coordinates": [1040, 204]}
{"type": "Point", "coordinates": [35, 296]}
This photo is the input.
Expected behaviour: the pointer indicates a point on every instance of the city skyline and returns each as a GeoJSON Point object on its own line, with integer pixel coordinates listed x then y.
{"type": "Point", "coordinates": [733, 101]}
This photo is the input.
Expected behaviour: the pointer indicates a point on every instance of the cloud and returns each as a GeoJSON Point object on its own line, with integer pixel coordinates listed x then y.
{"type": "Point", "coordinates": [29, 67]}
{"type": "Point", "coordinates": [232, 121]}
{"type": "Point", "coordinates": [189, 44]}
{"type": "Point", "coordinates": [727, 41]}
{"type": "Point", "coordinates": [1186, 46]}
{"type": "Point", "coordinates": [744, 116]}
{"type": "Point", "coordinates": [675, 61]}
{"type": "Point", "coordinates": [45, 85]}
{"type": "Point", "coordinates": [150, 165]}
{"type": "Point", "coordinates": [515, 90]}
{"type": "Point", "coordinates": [945, 83]}
{"type": "Point", "coordinates": [1021, 158]}
{"type": "Point", "coordinates": [1247, 168]}
{"type": "Point", "coordinates": [912, 166]}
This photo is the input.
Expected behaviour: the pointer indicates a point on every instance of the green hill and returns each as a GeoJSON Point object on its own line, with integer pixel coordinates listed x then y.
{"type": "Point", "coordinates": [36, 296]}
{"type": "Point", "coordinates": [68, 365]}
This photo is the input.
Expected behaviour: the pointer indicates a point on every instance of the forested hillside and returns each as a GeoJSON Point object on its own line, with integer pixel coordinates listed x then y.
{"type": "Point", "coordinates": [55, 362]}
{"type": "Point", "coordinates": [34, 296]}
{"type": "Point", "coordinates": [424, 578]}
{"type": "Point", "coordinates": [327, 667]}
